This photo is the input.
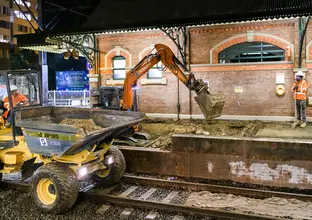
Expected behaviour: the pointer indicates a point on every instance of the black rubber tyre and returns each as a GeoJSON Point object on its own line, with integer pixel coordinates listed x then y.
{"type": "Point", "coordinates": [116, 170]}
{"type": "Point", "coordinates": [64, 184]}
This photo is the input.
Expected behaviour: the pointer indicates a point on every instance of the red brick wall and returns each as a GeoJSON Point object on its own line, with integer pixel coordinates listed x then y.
{"type": "Point", "coordinates": [132, 42]}
{"type": "Point", "coordinates": [258, 80]}
{"type": "Point", "coordinates": [203, 39]}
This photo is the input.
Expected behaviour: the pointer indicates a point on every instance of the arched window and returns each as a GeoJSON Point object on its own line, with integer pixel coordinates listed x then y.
{"type": "Point", "coordinates": [252, 52]}
{"type": "Point", "coordinates": [119, 67]}
{"type": "Point", "coordinates": [155, 72]}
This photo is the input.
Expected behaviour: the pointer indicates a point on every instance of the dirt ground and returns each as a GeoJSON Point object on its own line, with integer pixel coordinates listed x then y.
{"type": "Point", "coordinates": [88, 125]}
{"type": "Point", "coordinates": [162, 129]}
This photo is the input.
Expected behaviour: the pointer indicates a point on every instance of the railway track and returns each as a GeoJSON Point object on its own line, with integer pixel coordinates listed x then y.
{"type": "Point", "coordinates": [169, 196]}
{"type": "Point", "coordinates": [140, 192]}
{"type": "Point", "coordinates": [252, 193]}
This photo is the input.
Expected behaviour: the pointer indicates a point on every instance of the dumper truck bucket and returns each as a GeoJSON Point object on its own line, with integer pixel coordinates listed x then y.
{"type": "Point", "coordinates": [210, 104]}
{"type": "Point", "coordinates": [46, 135]}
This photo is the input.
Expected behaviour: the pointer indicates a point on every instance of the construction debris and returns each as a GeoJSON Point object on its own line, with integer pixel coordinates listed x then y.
{"type": "Point", "coordinates": [277, 207]}
{"type": "Point", "coordinates": [87, 124]}
{"type": "Point", "coordinates": [161, 130]}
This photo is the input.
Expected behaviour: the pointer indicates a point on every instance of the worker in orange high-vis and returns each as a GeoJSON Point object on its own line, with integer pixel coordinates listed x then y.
{"type": "Point", "coordinates": [300, 89]}
{"type": "Point", "coordinates": [18, 99]}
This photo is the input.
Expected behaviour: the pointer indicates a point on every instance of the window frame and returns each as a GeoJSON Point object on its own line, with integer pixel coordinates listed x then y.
{"type": "Point", "coordinates": [4, 10]}
{"type": "Point", "coordinates": [22, 28]}
{"type": "Point", "coordinates": [20, 15]}
{"type": "Point", "coordinates": [4, 24]}
{"type": "Point", "coordinates": [246, 47]}
{"type": "Point", "coordinates": [113, 68]}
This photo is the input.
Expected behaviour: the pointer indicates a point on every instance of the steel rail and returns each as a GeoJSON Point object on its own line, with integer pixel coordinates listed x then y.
{"type": "Point", "coordinates": [123, 201]}
{"type": "Point", "coordinates": [253, 193]}
{"type": "Point", "coordinates": [99, 197]}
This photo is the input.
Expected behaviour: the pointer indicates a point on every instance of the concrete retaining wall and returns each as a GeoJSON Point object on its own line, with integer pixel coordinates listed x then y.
{"type": "Point", "coordinates": [272, 162]}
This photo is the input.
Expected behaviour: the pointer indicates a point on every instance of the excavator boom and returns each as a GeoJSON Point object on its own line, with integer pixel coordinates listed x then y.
{"type": "Point", "coordinates": [210, 104]}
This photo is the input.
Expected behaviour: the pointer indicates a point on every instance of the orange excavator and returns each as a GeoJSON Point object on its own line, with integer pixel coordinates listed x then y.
{"type": "Point", "coordinates": [210, 104]}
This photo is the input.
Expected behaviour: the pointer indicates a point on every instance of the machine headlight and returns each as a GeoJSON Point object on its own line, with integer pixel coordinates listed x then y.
{"type": "Point", "coordinates": [82, 171]}
{"type": "Point", "coordinates": [109, 160]}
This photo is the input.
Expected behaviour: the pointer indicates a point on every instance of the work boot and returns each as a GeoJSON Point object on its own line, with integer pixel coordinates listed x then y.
{"type": "Point", "coordinates": [303, 124]}
{"type": "Point", "coordinates": [295, 124]}
{"type": "Point", "coordinates": [7, 125]}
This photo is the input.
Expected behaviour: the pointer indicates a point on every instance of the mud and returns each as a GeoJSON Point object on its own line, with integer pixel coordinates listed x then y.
{"type": "Point", "coordinates": [87, 125]}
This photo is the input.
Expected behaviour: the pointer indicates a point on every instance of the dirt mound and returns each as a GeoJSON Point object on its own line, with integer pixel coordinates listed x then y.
{"type": "Point", "coordinates": [87, 124]}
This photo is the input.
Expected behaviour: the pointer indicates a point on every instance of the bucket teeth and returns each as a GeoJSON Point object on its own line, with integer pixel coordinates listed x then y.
{"type": "Point", "coordinates": [210, 104]}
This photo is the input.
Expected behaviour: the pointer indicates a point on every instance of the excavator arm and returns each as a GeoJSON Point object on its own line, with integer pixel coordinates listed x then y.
{"type": "Point", "coordinates": [210, 104]}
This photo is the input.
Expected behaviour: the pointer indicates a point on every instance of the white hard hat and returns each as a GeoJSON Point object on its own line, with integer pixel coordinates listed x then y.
{"type": "Point", "coordinates": [300, 73]}
{"type": "Point", "coordinates": [13, 87]}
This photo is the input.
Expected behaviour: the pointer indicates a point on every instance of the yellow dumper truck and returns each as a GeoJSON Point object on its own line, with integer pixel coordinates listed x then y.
{"type": "Point", "coordinates": [55, 156]}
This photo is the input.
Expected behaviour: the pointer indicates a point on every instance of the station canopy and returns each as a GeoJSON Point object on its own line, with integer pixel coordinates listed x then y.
{"type": "Point", "coordinates": [76, 17]}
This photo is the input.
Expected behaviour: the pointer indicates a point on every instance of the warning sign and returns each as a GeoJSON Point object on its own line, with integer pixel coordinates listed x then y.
{"type": "Point", "coordinates": [238, 89]}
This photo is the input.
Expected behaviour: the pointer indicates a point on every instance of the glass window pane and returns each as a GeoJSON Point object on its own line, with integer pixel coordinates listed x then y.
{"type": "Point", "coordinates": [119, 74]}
{"type": "Point", "coordinates": [252, 52]}
{"type": "Point", "coordinates": [119, 63]}
{"type": "Point", "coordinates": [154, 73]}
{"type": "Point", "coordinates": [27, 85]}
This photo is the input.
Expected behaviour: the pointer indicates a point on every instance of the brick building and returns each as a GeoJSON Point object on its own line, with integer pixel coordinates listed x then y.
{"type": "Point", "coordinates": [246, 61]}
{"type": "Point", "coordinates": [241, 60]}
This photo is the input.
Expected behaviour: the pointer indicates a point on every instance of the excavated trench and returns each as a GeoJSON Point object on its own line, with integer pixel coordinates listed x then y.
{"type": "Point", "coordinates": [161, 130]}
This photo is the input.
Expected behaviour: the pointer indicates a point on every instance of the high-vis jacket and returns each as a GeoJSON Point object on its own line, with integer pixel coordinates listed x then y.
{"type": "Point", "coordinates": [15, 100]}
{"type": "Point", "coordinates": [301, 91]}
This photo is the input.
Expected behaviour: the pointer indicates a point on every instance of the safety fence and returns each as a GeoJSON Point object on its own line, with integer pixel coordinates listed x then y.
{"type": "Point", "coordinates": [69, 98]}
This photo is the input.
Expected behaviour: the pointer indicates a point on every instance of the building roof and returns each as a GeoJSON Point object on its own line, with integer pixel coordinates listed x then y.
{"type": "Point", "coordinates": [66, 15]}
{"type": "Point", "coordinates": [110, 16]}
{"type": "Point", "coordinates": [129, 15]}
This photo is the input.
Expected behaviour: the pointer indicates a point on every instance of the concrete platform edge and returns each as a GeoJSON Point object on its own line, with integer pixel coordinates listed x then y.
{"type": "Point", "coordinates": [227, 117]}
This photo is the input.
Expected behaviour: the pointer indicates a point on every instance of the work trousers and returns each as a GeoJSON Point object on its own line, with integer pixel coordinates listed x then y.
{"type": "Point", "coordinates": [301, 110]}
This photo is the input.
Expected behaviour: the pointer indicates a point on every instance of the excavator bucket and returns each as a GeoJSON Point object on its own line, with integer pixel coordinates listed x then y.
{"type": "Point", "coordinates": [210, 104]}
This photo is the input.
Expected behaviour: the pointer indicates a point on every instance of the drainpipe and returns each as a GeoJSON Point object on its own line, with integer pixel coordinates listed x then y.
{"type": "Point", "coordinates": [178, 87]}
{"type": "Point", "coordinates": [97, 59]}
{"type": "Point", "coordinates": [188, 36]}
{"type": "Point", "coordinates": [303, 25]}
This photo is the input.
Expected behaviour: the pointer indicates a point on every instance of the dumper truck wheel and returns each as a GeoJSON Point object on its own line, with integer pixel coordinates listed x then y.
{"type": "Point", "coordinates": [115, 170]}
{"type": "Point", "coordinates": [54, 188]}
